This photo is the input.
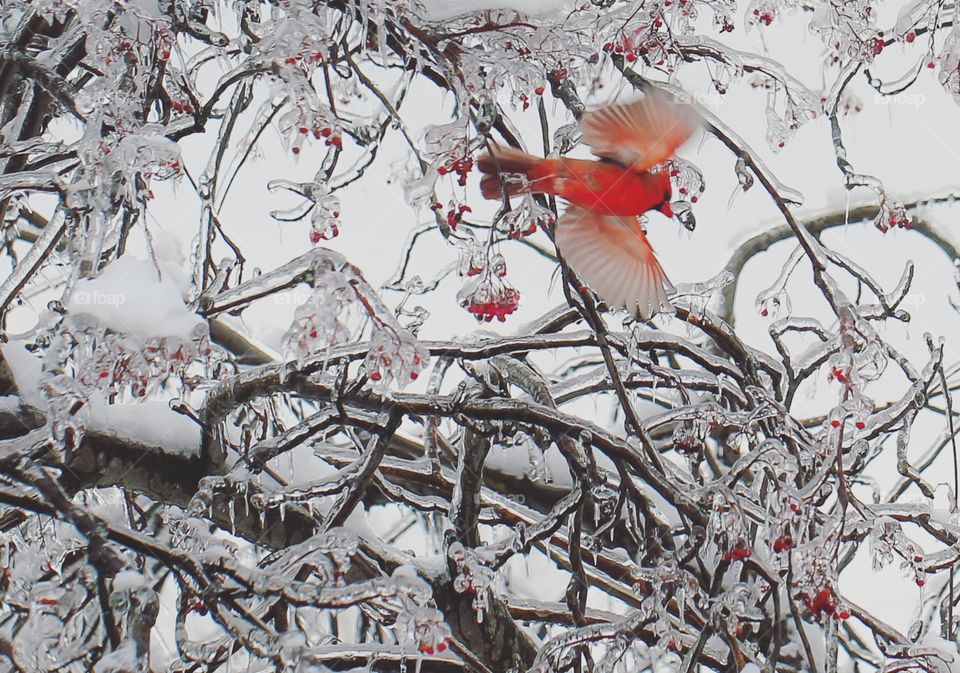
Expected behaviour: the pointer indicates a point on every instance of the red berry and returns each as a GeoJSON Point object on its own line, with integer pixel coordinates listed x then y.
{"type": "Point", "coordinates": [921, 581]}
{"type": "Point", "coordinates": [376, 376]}
{"type": "Point", "coordinates": [538, 91]}
{"type": "Point", "coordinates": [910, 37]}
{"type": "Point", "coordinates": [296, 150]}
{"type": "Point", "coordinates": [783, 543]}
{"type": "Point", "coordinates": [835, 423]}
{"type": "Point", "coordinates": [738, 553]}
{"type": "Point", "coordinates": [860, 425]}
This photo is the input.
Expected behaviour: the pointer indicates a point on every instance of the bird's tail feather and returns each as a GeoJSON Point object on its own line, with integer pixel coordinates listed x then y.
{"type": "Point", "coordinates": [490, 187]}
{"type": "Point", "coordinates": [507, 160]}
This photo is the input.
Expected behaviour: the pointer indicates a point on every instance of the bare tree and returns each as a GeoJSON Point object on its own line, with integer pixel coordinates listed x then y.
{"type": "Point", "coordinates": [143, 432]}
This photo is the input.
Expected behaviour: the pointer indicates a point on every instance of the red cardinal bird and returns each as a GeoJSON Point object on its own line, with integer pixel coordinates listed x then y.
{"type": "Point", "coordinates": [599, 235]}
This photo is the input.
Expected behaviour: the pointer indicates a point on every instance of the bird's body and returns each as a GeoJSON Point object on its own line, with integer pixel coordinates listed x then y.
{"type": "Point", "coordinates": [599, 235]}
{"type": "Point", "coordinates": [603, 187]}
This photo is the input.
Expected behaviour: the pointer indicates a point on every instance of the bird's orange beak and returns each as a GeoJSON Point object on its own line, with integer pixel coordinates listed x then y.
{"type": "Point", "coordinates": [666, 209]}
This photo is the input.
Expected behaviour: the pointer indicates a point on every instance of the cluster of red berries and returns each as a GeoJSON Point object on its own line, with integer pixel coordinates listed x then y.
{"type": "Point", "coordinates": [783, 543]}
{"type": "Point", "coordinates": [164, 43]}
{"type": "Point", "coordinates": [454, 215]}
{"type": "Point", "coordinates": [557, 75]}
{"type": "Point", "coordinates": [331, 232]}
{"type": "Point", "coordinates": [385, 361]}
{"type": "Point", "coordinates": [683, 190]}
{"type": "Point", "coordinates": [376, 374]}
{"type": "Point", "coordinates": [520, 233]}
{"type": "Point", "coordinates": [858, 424]}
{"type": "Point", "coordinates": [839, 374]}
{"type": "Point", "coordinates": [332, 138]}
{"type": "Point", "coordinates": [824, 602]}
{"type": "Point", "coordinates": [919, 580]}
{"type": "Point", "coordinates": [895, 220]}
{"type": "Point", "coordinates": [317, 236]}
{"type": "Point", "coordinates": [427, 648]}
{"type": "Point", "coordinates": [139, 386]}
{"type": "Point", "coordinates": [764, 16]}
{"type": "Point", "coordinates": [498, 307]}
{"type": "Point", "coordinates": [619, 48]}
{"type": "Point", "coordinates": [739, 552]}
{"type": "Point", "coordinates": [525, 99]}
{"type": "Point", "coordinates": [501, 271]}
{"type": "Point", "coordinates": [459, 166]}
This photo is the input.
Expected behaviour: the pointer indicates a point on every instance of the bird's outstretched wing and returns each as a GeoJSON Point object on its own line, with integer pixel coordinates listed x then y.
{"type": "Point", "coordinates": [613, 256]}
{"type": "Point", "coordinates": [639, 135]}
